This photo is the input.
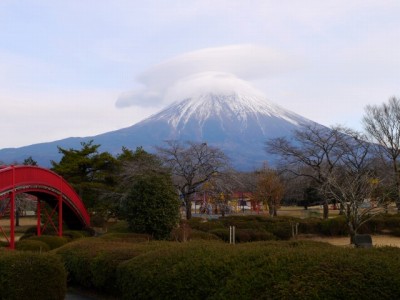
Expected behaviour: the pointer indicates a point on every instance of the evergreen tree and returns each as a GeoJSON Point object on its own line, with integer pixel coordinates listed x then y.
{"type": "Point", "coordinates": [88, 171]}
{"type": "Point", "coordinates": [152, 205]}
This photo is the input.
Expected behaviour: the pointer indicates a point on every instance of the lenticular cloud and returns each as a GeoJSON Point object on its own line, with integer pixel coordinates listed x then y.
{"type": "Point", "coordinates": [209, 83]}
{"type": "Point", "coordinates": [222, 68]}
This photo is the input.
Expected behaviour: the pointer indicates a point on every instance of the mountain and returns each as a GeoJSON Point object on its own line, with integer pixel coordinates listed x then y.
{"type": "Point", "coordinates": [238, 124]}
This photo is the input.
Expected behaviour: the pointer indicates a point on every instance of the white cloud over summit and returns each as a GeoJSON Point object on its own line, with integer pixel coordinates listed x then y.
{"type": "Point", "coordinates": [221, 68]}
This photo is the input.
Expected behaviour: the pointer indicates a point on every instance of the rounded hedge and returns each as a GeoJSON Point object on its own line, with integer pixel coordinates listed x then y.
{"type": "Point", "coordinates": [92, 262]}
{"type": "Point", "coordinates": [264, 270]}
{"type": "Point", "coordinates": [127, 237]}
{"type": "Point", "coordinates": [52, 241]}
{"type": "Point", "coordinates": [32, 245]}
{"type": "Point", "coordinates": [201, 235]}
{"type": "Point", "coordinates": [27, 275]}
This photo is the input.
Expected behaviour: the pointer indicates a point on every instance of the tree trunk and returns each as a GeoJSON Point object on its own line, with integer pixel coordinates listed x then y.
{"type": "Point", "coordinates": [352, 233]}
{"type": "Point", "coordinates": [188, 205]}
{"type": "Point", "coordinates": [188, 212]}
{"type": "Point", "coordinates": [326, 210]}
{"type": "Point", "coordinates": [270, 209]}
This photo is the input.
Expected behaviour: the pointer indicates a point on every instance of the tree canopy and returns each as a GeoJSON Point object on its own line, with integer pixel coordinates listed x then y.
{"type": "Point", "coordinates": [152, 206]}
{"type": "Point", "coordinates": [192, 164]}
{"type": "Point", "coordinates": [382, 123]}
{"type": "Point", "coordinates": [87, 170]}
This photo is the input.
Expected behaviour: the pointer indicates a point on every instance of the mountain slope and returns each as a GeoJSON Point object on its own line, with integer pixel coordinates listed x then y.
{"type": "Point", "coordinates": [238, 124]}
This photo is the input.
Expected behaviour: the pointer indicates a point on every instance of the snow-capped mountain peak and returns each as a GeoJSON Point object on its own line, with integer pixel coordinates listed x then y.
{"type": "Point", "coordinates": [237, 121]}
{"type": "Point", "coordinates": [233, 106]}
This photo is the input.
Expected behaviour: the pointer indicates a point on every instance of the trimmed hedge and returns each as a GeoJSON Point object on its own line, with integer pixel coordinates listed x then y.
{"type": "Point", "coordinates": [334, 226]}
{"type": "Point", "coordinates": [27, 275]}
{"type": "Point", "coordinates": [281, 227]}
{"type": "Point", "coordinates": [119, 227]}
{"type": "Point", "coordinates": [32, 245]}
{"type": "Point", "coordinates": [92, 262]}
{"type": "Point", "coordinates": [274, 270]}
{"type": "Point", "coordinates": [52, 241]}
{"type": "Point", "coordinates": [201, 235]}
{"type": "Point", "coordinates": [75, 234]}
{"type": "Point", "coordinates": [127, 237]}
{"type": "Point", "coordinates": [248, 228]}
{"type": "Point", "coordinates": [205, 225]}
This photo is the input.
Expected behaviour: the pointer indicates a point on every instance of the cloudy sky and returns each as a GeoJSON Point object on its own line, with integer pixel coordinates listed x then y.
{"type": "Point", "coordinates": [79, 68]}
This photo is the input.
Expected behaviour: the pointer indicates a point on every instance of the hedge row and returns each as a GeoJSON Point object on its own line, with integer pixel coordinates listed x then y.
{"type": "Point", "coordinates": [26, 275]}
{"type": "Point", "coordinates": [277, 270]}
{"type": "Point", "coordinates": [257, 227]}
{"type": "Point", "coordinates": [248, 228]}
{"type": "Point", "coordinates": [92, 262]}
{"type": "Point", "coordinates": [215, 270]}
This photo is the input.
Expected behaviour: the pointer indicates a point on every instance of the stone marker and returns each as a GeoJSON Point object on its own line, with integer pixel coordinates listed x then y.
{"type": "Point", "coordinates": [363, 241]}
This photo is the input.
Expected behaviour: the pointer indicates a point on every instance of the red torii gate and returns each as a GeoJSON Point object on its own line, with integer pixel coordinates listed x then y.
{"type": "Point", "coordinates": [45, 185]}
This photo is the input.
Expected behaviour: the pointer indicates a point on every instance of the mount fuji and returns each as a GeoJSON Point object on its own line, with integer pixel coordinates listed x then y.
{"type": "Point", "coordinates": [238, 124]}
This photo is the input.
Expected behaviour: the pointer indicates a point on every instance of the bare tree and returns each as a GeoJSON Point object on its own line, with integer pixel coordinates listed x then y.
{"type": "Point", "coordinates": [313, 152]}
{"type": "Point", "coordinates": [354, 191]}
{"type": "Point", "coordinates": [353, 182]}
{"type": "Point", "coordinates": [382, 123]}
{"type": "Point", "coordinates": [192, 164]}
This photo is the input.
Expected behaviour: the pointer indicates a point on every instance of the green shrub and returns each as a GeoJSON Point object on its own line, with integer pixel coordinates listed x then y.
{"type": "Point", "coordinates": [152, 205]}
{"type": "Point", "coordinates": [206, 225]}
{"type": "Point", "coordinates": [282, 231]}
{"type": "Point", "coordinates": [3, 244]}
{"type": "Point", "coordinates": [263, 270]}
{"type": "Point", "coordinates": [201, 235]}
{"type": "Point", "coordinates": [334, 226]}
{"type": "Point", "coordinates": [309, 225]}
{"type": "Point", "coordinates": [222, 233]}
{"type": "Point", "coordinates": [92, 262]}
{"type": "Point", "coordinates": [52, 240]}
{"type": "Point", "coordinates": [104, 265]}
{"type": "Point", "coordinates": [27, 275]}
{"type": "Point", "coordinates": [127, 237]}
{"type": "Point", "coordinates": [97, 220]}
{"type": "Point", "coordinates": [118, 227]}
{"type": "Point", "coordinates": [194, 221]}
{"type": "Point", "coordinates": [248, 228]}
{"type": "Point", "coordinates": [77, 256]}
{"type": "Point", "coordinates": [181, 233]}
{"type": "Point", "coordinates": [32, 245]}
{"type": "Point", "coordinates": [31, 231]}
{"type": "Point", "coordinates": [391, 221]}
{"type": "Point", "coordinates": [192, 272]}
{"type": "Point", "coordinates": [261, 235]}
{"type": "Point", "coordinates": [75, 234]}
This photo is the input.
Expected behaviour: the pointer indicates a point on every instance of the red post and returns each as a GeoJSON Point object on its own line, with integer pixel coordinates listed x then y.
{"type": "Point", "coordinates": [39, 221]}
{"type": "Point", "coordinates": [12, 220]}
{"type": "Point", "coordinates": [12, 212]}
{"type": "Point", "coordinates": [60, 231]}
{"type": "Point", "coordinates": [60, 216]}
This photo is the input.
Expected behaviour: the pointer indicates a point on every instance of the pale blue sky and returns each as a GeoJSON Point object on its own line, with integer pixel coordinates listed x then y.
{"type": "Point", "coordinates": [64, 64]}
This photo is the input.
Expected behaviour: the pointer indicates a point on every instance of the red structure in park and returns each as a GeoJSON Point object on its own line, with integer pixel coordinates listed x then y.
{"type": "Point", "coordinates": [47, 188]}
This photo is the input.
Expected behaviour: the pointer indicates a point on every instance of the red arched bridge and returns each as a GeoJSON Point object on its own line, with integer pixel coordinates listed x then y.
{"type": "Point", "coordinates": [47, 188]}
